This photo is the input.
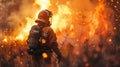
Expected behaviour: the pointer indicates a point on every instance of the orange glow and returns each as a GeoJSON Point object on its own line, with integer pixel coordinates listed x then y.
{"type": "Point", "coordinates": [43, 41]}
{"type": "Point", "coordinates": [69, 23]}
{"type": "Point", "coordinates": [44, 55]}
{"type": "Point", "coordinates": [61, 19]}
{"type": "Point", "coordinates": [44, 4]}
{"type": "Point", "coordinates": [21, 37]}
{"type": "Point", "coordinates": [110, 40]}
{"type": "Point", "coordinates": [84, 29]}
{"type": "Point", "coordinates": [98, 23]}
{"type": "Point", "coordinates": [5, 40]}
{"type": "Point", "coordinates": [114, 28]}
{"type": "Point", "coordinates": [25, 31]}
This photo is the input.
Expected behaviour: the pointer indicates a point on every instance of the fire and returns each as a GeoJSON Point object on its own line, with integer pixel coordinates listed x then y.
{"type": "Point", "coordinates": [64, 22]}
{"type": "Point", "coordinates": [63, 12]}
{"type": "Point", "coordinates": [5, 40]}
{"type": "Point", "coordinates": [21, 37]}
{"type": "Point", "coordinates": [98, 23]}
{"type": "Point", "coordinates": [61, 19]}
{"type": "Point", "coordinates": [24, 33]}
{"type": "Point", "coordinates": [44, 4]}
{"type": "Point", "coordinates": [81, 31]}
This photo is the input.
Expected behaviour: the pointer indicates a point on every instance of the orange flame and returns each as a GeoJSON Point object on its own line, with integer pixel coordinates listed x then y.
{"type": "Point", "coordinates": [44, 4]}
{"type": "Point", "coordinates": [5, 40]}
{"type": "Point", "coordinates": [96, 23]}
{"type": "Point", "coordinates": [25, 31]}
{"type": "Point", "coordinates": [61, 19]}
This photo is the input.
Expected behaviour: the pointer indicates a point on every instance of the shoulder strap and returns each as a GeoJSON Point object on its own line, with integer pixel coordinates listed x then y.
{"type": "Point", "coordinates": [40, 30]}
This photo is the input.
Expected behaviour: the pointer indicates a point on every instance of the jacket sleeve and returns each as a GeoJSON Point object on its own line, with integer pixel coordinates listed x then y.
{"type": "Point", "coordinates": [53, 43]}
{"type": "Point", "coordinates": [29, 35]}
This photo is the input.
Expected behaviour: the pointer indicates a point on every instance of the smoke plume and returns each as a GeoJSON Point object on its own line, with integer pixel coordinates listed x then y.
{"type": "Point", "coordinates": [13, 15]}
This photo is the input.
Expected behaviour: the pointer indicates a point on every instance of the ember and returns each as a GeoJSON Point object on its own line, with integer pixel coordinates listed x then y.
{"type": "Point", "coordinates": [87, 31]}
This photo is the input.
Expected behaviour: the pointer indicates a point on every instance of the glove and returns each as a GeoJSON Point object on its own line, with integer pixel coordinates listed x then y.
{"type": "Point", "coordinates": [60, 58]}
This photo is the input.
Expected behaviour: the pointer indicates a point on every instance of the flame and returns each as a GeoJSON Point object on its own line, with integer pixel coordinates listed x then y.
{"type": "Point", "coordinates": [44, 4]}
{"type": "Point", "coordinates": [21, 37]}
{"type": "Point", "coordinates": [97, 20]}
{"type": "Point", "coordinates": [64, 22]}
{"type": "Point", "coordinates": [73, 31]}
{"type": "Point", "coordinates": [63, 12]}
{"type": "Point", "coordinates": [60, 21]}
{"type": "Point", "coordinates": [5, 40]}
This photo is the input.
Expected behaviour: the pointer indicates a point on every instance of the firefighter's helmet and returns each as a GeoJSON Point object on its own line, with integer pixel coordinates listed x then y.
{"type": "Point", "coordinates": [44, 16]}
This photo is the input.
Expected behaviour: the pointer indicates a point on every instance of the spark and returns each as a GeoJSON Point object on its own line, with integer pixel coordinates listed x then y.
{"type": "Point", "coordinates": [114, 28]}
{"type": "Point", "coordinates": [110, 40]}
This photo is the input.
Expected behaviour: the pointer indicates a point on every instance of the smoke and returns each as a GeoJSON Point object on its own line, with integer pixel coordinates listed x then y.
{"type": "Point", "coordinates": [0, 35]}
{"type": "Point", "coordinates": [74, 22]}
{"type": "Point", "coordinates": [13, 15]}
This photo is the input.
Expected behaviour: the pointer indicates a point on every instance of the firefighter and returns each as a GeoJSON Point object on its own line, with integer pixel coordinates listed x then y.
{"type": "Point", "coordinates": [43, 34]}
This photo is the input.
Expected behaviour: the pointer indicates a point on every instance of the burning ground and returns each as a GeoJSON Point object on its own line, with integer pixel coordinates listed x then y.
{"type": "Point", "coordinates": [87, 31]}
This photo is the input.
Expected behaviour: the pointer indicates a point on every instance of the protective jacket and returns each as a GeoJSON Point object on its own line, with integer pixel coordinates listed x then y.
{"type": "Point", "coordinates": [43, 34]}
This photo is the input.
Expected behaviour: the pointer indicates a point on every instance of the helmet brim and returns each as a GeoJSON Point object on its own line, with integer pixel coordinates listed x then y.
{"type": "Point", "coordinates": [39, 20]}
